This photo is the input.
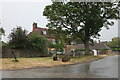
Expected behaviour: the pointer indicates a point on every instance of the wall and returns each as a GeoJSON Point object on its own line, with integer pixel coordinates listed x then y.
{"type": "Point", "coordinates": [6, 52]}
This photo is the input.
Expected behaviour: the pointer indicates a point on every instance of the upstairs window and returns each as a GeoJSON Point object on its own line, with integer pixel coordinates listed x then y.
{"type": "Point", "coordinates": [44, 32]}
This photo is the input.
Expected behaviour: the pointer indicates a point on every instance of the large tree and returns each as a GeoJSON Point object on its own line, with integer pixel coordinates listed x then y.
{"type": "Point", "coordinates": [82, 20]}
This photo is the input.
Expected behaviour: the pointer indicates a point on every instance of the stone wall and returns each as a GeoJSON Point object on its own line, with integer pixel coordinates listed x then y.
{"type": "Point", "coordinates": [6, 53]}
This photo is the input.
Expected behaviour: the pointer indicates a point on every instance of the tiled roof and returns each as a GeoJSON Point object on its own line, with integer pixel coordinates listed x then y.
{"type": "Point", "coordinates": [42, 28]}
{"type": "Point", "coordinates": [39, 31]}
{"type": "Point", "coordinates": [94, 46]}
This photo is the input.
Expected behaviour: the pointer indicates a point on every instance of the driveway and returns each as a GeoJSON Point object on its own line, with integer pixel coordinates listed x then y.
{"type": "Point", "coordinates": [104, 68]}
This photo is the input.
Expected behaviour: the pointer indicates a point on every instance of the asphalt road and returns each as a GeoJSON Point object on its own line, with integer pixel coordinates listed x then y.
{"type": "Point", "coordinates": [104, 68]}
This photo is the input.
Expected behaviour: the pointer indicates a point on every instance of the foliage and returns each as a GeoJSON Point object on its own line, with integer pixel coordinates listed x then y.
{"type": "Point", "coordinates": [38, 42]}
{"type": "Point", "coordinates": [59, 46]}
{"type": "Point", "coordinates": [18, 38]}
{"type": "Point", "coordinates": [78, 41]}
{"type": "Point", "coordinates": [116, 48]}
{"type": "Point", "coordinates": [115, 43]}
{"type": "Point", "coordinates": [81, 19]}
{"type": "Point", "coordinates": [65, 58]}
{"type": "Point", "coordinates": [51, 45]}
{"type": "Point", "coordinates": [59, 34]}
{"type": "Point", "coordinates": [103, 49]}
{"type": "Point", "coordinates": [3, 44]}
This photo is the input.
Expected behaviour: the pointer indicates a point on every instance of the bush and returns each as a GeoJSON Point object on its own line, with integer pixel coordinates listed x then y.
{"type": "Point", "coordinates": [104, 49]}
{"type": "Point", "coordinates": [65, 58]}
{"type": "Point", "coordinates": [38, 42]}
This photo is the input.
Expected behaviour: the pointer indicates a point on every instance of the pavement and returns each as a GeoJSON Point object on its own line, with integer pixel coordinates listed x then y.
{"type": "Point", "coordinates": [104, 68]}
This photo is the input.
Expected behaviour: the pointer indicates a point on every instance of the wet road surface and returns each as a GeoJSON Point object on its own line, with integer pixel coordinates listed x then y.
{"type": "Point", "coordinates": [104, 68]}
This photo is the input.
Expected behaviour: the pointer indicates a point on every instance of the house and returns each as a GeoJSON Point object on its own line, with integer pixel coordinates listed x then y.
{"type": "Point", "coordinates": [42, 32]}
{"type": "Point", "coordinates": [100, 47]}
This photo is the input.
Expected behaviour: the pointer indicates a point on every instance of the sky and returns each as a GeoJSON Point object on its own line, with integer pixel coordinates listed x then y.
{"type": "Point", "coordinates": [24, 13]}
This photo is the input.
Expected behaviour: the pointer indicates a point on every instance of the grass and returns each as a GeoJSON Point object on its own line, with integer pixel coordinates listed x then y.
{"type": "Point", "coordinates": [9, 64]}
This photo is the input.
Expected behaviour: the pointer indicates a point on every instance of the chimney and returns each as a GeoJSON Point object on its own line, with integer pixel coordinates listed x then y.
{"type": "Point", "coordinates": [34, 26]}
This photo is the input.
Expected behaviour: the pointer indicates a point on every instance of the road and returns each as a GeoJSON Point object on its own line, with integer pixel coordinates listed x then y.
{"type": "Point", "coordinates": [104, 68]}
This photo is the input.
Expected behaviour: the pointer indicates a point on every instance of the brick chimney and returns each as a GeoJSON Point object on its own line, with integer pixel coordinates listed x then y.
{"type": "Point", "coordinates": [34, 26]}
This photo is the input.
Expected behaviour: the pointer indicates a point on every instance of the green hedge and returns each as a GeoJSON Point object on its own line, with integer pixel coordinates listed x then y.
{"type": "Point", "coordinates": [103, 49]}
{"type": "Point", "coordinates": [116, 49]}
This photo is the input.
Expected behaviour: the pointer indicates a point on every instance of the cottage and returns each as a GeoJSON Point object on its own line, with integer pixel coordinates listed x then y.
{"type": "Point", "coordinates": [101, 48]}
{"type": "Point", "coordinates": [42, 32]}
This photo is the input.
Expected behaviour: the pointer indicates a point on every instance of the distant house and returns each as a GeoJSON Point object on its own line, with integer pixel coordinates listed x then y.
{"type": "Point", "coordinates": [100, 47]}
{"type": "Point", "coordinates": [42, 32]}
{"type": "Point", "coordinates": [96, 46]}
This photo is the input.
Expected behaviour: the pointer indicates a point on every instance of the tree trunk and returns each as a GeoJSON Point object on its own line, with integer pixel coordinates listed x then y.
{"type": "Point", "coordinates": [14, 56]}
{"type": "Point", "coordinates": [86, 44]}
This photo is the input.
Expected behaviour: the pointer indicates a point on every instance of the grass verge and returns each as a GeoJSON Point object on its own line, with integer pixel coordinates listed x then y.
{"type": "Point", "coordinates": [25, 63]}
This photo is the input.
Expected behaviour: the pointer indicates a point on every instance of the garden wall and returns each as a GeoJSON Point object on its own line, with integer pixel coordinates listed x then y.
{"type": "Point", "coordinates": [6, 53]}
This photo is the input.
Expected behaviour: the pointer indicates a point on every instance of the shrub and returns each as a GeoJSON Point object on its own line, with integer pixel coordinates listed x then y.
{"type": "Point", "coordinates": [65, 58]}
{"type": "Point", "coordinates": [38, 42]}
{"type": "Point", "coordinates": [104, 49]}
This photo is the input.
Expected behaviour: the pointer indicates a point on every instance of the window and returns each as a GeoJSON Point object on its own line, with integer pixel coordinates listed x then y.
{"type": "Point", "coordinates": [44, 32]}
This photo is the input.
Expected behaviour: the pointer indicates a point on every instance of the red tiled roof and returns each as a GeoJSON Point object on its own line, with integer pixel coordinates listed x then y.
{"type": "Point", "coordinates": [39, 31]}
{"type": "Point", "coordinates": [42, 28]}
{"type": "Point", "coordinates": [94, 46]}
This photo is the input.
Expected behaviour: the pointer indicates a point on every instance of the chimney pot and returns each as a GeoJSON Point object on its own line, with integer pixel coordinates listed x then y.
{"type": "Point", "coordinates": [34, 26]}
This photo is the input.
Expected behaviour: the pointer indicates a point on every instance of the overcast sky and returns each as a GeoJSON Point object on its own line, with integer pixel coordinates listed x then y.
{"type": "Point", "coordinates": [23, 14]}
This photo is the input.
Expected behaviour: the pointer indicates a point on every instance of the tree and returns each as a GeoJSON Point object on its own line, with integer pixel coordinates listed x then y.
{"type": "Point", "coordinates": [38, 42]}
{"type": "Point", "coordinates": [115, 43]}
{"type": "Point", "coordinates": [59, 35]}
{"type": "Point", "coordinates": [82, 20]}
{"type": "Point", "coordinates": [18, 38]}
{"type": "Point", "coordinates": [60, 46]}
